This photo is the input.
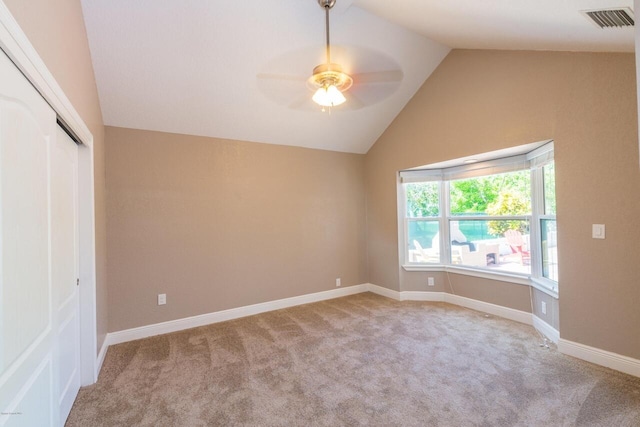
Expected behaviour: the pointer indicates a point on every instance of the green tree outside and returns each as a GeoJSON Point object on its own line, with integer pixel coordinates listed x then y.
{"type": "Point", "coordinates": [423, 199]}
{"type": "Point", "coordinates": [509, 202]}
{"type": "Point", "coordinates": [495, 195]}
{"type": "Point", "coordinates": [474, 195]}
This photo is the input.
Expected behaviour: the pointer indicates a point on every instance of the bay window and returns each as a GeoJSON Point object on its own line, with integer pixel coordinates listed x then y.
{"type": "Point", "coordinates": [494, 216]}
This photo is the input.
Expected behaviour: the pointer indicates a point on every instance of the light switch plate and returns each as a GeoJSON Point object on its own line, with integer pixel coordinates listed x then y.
{"type": "Point", "coordinates": [597, 231]}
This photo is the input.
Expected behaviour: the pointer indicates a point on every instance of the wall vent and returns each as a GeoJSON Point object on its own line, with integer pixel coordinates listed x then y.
{"type": "Point", "coordinates": [611, 18]}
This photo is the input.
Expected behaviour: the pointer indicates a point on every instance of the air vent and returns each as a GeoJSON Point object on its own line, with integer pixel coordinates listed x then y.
{"type": "Point", "coordinates": [611, 18]}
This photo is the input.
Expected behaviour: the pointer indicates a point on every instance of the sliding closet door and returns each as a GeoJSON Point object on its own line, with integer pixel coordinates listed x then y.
{"type": "Point", "coordinates": [64, 252]}
{"type": "Point", "coordinates": [28, 309]}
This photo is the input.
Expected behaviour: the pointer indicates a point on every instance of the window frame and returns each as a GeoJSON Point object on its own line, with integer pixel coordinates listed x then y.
{"type": "Point", "coordinates": [532, 157]}
{"type": "Point", "coordinates": [540, 215]}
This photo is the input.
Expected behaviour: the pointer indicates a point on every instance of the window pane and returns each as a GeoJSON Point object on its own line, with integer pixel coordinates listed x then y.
{"type": "Point", "coordinates": [549, 177]}
{"type": "Point", "coordinates": [549, 249]}
{"type": "Point", "coordinates": [495, 245]}
{"type": "Point", "coordinates": [423, 199]}
{"type": "Point", "coordinates": [423, 241]}
{"type": "Point", "coordinates": [495, 195]}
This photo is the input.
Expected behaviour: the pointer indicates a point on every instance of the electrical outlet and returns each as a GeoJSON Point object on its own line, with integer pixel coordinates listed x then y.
{"type": "Point", "coordinates": [162, 299]}
{"type": "Point", "coordinates": [597, 231]}
{"type": "Point", "coordinates": [543, 307]}
{"type": "Point", "coordinates": [338, 282]}
{"type": "Point", "coordinates": [431, 281]}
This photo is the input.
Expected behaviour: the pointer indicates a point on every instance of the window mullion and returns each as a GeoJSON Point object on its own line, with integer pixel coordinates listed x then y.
{"type": "Point", "coordinates": [537, 207]}
{"type": "Point", "coordinates": [445, 242]}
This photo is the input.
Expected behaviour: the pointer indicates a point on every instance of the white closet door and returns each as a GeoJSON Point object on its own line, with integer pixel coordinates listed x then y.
{"type": "Point", "coordinates": [34, 257]}
{"type": "Point", "coordinates": [64, 252]}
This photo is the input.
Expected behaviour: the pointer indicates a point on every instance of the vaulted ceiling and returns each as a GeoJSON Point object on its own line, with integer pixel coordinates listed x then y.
{"type": "Point", "coordinates": [238, 69]}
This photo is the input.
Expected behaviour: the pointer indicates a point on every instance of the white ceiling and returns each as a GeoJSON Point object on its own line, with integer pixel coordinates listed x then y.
{"type": "Point", "coordinates": [206, 67]}
{"type": "Point", "coordinates": [508, 24]}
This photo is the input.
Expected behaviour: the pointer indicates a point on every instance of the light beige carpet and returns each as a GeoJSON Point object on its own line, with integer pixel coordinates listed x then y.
{"type": "Point", "coordinates": [358, 360]}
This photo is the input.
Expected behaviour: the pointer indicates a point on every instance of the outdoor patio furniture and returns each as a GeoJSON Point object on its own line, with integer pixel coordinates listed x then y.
{"type": "Point", "coordinates": [518, 246]}
{"type": "Point", "coordinates": [465, 256]}
{"type": "Point", "coordinates": [426, 255]}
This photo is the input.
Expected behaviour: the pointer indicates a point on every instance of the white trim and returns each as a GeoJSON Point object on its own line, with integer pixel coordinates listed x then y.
{"type": "Point", "coordinates": [406, 295]}
{"type": "Point", "coordinates": [423, 267]}
{"type": "Point", "coordinates": [625, 364]}
{"type": "Point", "coordinates": [590, 354]}
{"type": "Point", "coordinates": [541, 285]}
{"type": "Point", "coordinates": [423, 296]}
{"type": "Point", "coordinates": [235, 313]}
{"type": "Point", "coordinates": [385, 292]}
{"type": "Point", "coordinates": [102, 354]}
{"type": "Point", "coordinates": [486, 307]}
{"type": "Point", "coordinates": [486, 274]}
{"type": "Point", "coordinates": [90, 366]}
{"type": "Point", "coordinates": [474, 272]}
{"type": "Point", "coordinates": [542, 155]}
{"type": "Point", "coordinates": [230, 314]}
{"type": "Point", "coordinates": [14, 42]}
{"type": "Point", "coordinates": [17, 46]}
{"type": "Point", "coordinates": [509, 159]}
{"type": "Point", "coordinates": [546, 329]}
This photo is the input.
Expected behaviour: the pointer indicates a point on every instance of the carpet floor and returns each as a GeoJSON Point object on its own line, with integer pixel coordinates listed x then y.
{"type": "Point", "coordinates": [357, 360]}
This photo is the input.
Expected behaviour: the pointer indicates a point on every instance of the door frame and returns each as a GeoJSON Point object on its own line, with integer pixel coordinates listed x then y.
{"type": "Point", "coordinates": [14, 42]}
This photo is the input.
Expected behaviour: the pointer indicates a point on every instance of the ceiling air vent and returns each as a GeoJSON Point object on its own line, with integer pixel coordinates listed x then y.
{"type": "Point", "coordinates": [611, 18]}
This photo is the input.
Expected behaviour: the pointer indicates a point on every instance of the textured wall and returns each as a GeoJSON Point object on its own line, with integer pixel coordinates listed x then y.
{"type": "Point", "coordinates": [56, 29]}
{"type": "Point", "coordinates": [217, 224]}
{"type": "Point", "coordinates": [479, 101]}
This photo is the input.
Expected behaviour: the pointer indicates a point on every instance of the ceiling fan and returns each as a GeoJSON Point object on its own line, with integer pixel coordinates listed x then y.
{"type": "Point", "coordinates": [329, 79]}
{"type": "Point", "coordinates": [330, 84]}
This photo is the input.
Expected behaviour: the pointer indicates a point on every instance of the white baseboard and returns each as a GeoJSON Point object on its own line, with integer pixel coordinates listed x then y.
{"type": "Point", "coordinates": [600, 357]}
{"type": "Point", "coordinates": [101, 355]}
{"type": "Point", "coordinates": [486, 307]}
{"type": "Point", "coordinates": [406, 295]}
{"type": "Point", "coordinates": [385, 292]}
{"type": "Point", "coordinates": [611, 360]}
{"type": "Point", "coordinates": [423, 296]}
{"type": "Point", "coordinates": [546, 329]}
{"type": "Point", "coordinates": [224, 315]}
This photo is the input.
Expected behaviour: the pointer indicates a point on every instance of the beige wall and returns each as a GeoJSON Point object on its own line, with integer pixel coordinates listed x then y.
{"type": "Point", "coordinates": [217, 224]}
{"type": "Point", "coordinates": [478, 101]}
{"type": "Point", "coordinates": [56, 29]}
{"type": "Point", "coordinates": [551, 316]}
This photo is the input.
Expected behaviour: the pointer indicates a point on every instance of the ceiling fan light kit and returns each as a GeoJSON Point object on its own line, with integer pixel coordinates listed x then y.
{"type": "Point", "coordinates": [331, 82]}
{"type": "Point", "coordinates": [328, 79]}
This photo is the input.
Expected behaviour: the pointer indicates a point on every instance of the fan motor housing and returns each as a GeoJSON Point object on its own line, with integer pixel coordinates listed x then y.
{"type": "Point", "coordinates": [330, 74]}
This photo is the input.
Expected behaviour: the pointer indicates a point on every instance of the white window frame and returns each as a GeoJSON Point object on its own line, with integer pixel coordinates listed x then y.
{"type": "Point", "coordinates": [531, 157]}
{"type": "Point", "coordinates": [539, 215]}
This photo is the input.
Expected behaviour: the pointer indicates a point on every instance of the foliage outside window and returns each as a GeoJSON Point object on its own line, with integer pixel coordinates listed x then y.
{"type": "Point", "coordinates": [548, 226]}
{"type": "Point", "coordinates": [484, 220]}
{"type": "Point", "coordinates": [423, 225]}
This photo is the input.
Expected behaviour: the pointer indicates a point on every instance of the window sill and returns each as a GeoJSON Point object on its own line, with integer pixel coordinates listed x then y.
{"type": "Point", "coordinates": [546, 286]}
{"type": "Point", "coordinates": [543, 285]}
{"type": "Point", "coordinates": [424, 267]}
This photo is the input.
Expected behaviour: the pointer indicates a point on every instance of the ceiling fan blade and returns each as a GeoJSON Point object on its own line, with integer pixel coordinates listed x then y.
{"type": "Point", "coordinates": [378, 77]}
{"type": "Point", "coordinates": [300, 102]}
{"type": "Point", "coordinates": [353, 102]}
{"type": "Point", "coordinates": [271, 76]}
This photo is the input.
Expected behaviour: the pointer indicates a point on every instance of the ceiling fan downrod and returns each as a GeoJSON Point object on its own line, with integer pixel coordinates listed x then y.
{"type": "Point", "coordinates": [328, 79]}
{"type": "Point", "coordinates": [327, 5]}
